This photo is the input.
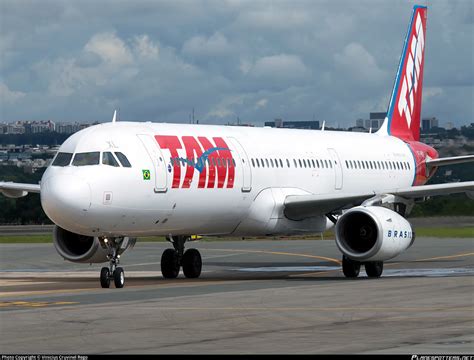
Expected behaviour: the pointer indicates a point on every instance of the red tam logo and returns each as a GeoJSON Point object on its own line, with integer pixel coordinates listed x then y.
{"type": "Point", "coordinates": [213, 161]}
{"type": "Point", "coordinates": [406, 101]}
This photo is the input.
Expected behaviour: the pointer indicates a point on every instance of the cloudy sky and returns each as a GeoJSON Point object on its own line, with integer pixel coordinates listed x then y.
{"type": "Point", "coordinates": [256, 60]}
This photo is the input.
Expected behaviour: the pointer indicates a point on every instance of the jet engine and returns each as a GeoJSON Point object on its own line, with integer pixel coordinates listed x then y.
{"type": "Point", "coordinates": [87, 249]}
{"type": "Point", "coordinates": [373, 233]}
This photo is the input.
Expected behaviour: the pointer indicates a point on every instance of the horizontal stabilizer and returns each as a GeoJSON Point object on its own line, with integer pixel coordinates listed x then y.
{"type": "Point", "coordinates": [449, 160]}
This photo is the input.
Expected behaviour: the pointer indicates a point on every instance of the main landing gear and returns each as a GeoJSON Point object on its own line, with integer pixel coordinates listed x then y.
{"type": "Point", "coordinates": [113, 272]}
{"type": "Point", "coordinates": [172, 259]}
{"type": "Point", "coordinates": [351, 268]}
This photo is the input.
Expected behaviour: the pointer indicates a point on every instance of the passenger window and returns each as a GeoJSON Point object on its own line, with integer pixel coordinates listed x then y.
{"type": "Point", "coordinates": [271, 162]}
{"type": "Point", "coordinates": [123, 159]}
{"type": "Point", "coordinates": [108, 159]}
{"type": "Point", "coordinates": [267, 163]}
{"type": "Point", "coordinates": [62, 159]}
{"type": "Point", "coordinates": [253, 163]}
{"type": "Point", "coordinates": [301, 164]}
{"type": "Point", "coordinates": [281, 163]}
{"type": "Point", "coordinates": [87, 158]}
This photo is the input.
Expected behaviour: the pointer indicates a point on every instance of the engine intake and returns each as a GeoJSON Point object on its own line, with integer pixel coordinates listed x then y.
{"type": "Point", "coordinates": [373, 233]}
{"type": "Point", "coordinates": [87, 249]}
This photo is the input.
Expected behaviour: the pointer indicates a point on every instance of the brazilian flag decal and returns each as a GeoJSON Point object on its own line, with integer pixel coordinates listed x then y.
{"type": "Point", "coordinates": [146, 174]}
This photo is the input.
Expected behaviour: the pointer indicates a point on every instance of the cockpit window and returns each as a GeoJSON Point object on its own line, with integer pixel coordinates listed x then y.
{"type": "Point", "coordinates": [123, 159]}
{"type": "Point", "coordinates": [108, 159]}
{"type": "Point", "coordinates": [63, 159]}
{"type": "Point", "coordinates": [87, 158]}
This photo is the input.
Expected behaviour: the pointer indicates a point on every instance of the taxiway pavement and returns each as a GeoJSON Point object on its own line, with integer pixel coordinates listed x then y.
{"type": "Point", "coordinates": [252, 297]}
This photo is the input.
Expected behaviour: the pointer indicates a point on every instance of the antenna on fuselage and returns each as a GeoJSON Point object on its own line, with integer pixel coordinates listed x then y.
{"type": "Point", "coordinates": [114, 118]}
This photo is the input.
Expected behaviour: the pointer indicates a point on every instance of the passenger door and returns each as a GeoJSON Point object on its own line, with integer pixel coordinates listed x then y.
{"type": "Point", "coordinates": [159, 164]}
{"type": "Point", "coordinates": [243, 165]}
{"type": "Point", "coordinates": [338, 181]}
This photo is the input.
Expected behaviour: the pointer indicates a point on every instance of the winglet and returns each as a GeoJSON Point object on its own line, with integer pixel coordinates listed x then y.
{"type": "Point", "coordinates": [115, 116]}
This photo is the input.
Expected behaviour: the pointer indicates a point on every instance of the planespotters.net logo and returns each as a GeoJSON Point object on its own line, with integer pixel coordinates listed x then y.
{"type": "Point", "coordinates": [442, 357]}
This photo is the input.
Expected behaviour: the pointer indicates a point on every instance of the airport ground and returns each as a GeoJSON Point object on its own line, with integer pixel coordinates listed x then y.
{"type": "Point", "coordinates": [285, 296]}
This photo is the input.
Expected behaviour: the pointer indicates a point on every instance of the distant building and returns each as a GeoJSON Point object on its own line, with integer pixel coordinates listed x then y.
{"type": "Point", "coordinates": [374, 121]}
{"type": "Point", "coordinates": [429, 123]}
{"type": "Point", "coordinates": [378, 115]}
{"type": "Point", "coordinates": [279, 123]}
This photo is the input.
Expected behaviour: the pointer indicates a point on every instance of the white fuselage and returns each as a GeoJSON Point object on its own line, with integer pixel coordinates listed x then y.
{"type": "Point", "coordinates": [266, 165]}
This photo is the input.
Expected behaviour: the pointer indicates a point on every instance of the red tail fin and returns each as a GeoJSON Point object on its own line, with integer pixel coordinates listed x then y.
{"type": "Point", "coordinates": [404, 111]}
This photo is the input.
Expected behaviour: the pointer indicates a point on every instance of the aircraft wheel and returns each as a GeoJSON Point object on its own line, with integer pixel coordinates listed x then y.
{"type": "Point", "coordinates": [105, 277]}
{"type": "Point", "coordinates": [170, 264]}
{"type": "Point", "coordinates": [374, 268]}
{"type": "Point", "coordinates": [350, 268]}
{"type": "Point", "coordinates": [192, 263]}
{"type": "Point", "coordinates": [119, 278]}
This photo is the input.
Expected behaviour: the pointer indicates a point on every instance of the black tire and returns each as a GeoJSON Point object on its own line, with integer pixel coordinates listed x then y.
{"type": "Point", "coordinates": [105, 277]}
{"type": "Point", "coordinates": [374, 269]}
{"type": "Point", "coordinates": [350, 268]}
{"type": "Point", "coordinates": [119, 278]}
{"type": "Point", "coordinates": [192, 263]}
{"type": "Point", "coordinates": [170, 264]}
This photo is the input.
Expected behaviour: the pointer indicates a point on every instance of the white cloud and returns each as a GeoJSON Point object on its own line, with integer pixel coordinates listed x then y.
{"type": "Point", "coordinates": [216, 44]}
{"type": "Point", "coordinates": [110, 48]}
{"type": "Point", "coordinates": [274, 17]}
{"type": "Point", "coordinates": [145, 48]}
{"type": "Point", "coordinates": [225, 108]}
{"type": "Point", "coordinates": [359, 64]}
{"type": "Point", "coordinates": [9, 96]}
{"type": "Point", "coordinates": [279, 66]}
{"type": "Point", "coordinates": [157, 60]}
{"type": "Point", "coordinates": [429, 92]}
{"type": "Point", "coordinates": [261, 103]}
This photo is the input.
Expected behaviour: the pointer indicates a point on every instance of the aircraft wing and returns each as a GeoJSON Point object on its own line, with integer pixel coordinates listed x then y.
{"type": "Point", "coordinates": [298, 207]}
{"type": "Point", "coordinates": [449, 160]}
{"type": "Point", "coordinates": [16, 190]}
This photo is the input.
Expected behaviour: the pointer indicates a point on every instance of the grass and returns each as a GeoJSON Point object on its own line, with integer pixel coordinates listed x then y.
{"type": "Point", "coordinates": [437, 232]}
{"type": "Point", "coordinates": [446, 232]}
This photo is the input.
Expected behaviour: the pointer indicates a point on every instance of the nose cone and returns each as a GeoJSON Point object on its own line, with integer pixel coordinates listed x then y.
{"type": "Point", "coordinates": [66, 200]}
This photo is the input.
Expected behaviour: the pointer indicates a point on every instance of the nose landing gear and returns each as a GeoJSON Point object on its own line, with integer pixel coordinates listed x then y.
{"type": "Point", "coordinates": [173, 259]}
{"type": "Point", "coordinates": [113, 272]}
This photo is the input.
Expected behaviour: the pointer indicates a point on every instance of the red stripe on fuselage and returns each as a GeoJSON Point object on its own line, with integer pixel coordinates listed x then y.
{"type": "Point", "coordinates": [172, 143]}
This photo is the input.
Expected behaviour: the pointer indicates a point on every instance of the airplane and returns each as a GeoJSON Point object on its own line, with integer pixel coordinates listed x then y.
{"type": "Point", "coordinates": [113, 182]}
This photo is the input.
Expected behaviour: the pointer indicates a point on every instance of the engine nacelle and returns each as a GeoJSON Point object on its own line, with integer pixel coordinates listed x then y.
{"type": "Point", "coordinates": [86, 249]}
{"type": "Point", "coordinates": [373, 233]}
